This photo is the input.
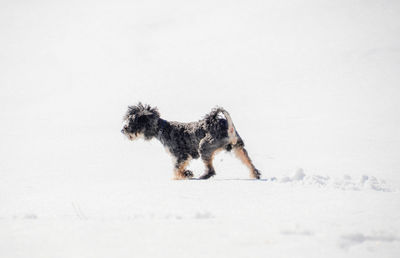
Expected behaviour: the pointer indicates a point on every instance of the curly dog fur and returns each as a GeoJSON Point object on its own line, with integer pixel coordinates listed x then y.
{"type": "Point", "coordinates": [186, 141]}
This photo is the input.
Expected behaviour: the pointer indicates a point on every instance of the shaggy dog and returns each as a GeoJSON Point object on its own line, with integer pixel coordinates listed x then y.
{"type": "Point", "coordinates": [186, 141]}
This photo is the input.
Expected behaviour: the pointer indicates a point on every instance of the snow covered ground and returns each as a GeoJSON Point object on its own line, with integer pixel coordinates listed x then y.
{"type": "Point", "coordinates": [313, 89]}
{"type": "Point", "coordinates": [222, 217]}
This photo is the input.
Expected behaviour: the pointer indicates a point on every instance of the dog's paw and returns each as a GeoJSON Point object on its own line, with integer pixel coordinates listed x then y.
{"type": "Point", "coordinates": [188, 174]}
{"type": "Point", "coordinates": [207, 175]}
{"type": "Point", "coordinates": [256, 174]}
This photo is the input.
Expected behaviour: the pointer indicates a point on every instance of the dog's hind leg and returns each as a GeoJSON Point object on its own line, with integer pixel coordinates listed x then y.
{"type": "Point", "coordinates": [209, 169]}
{"type": "Point", "coordinates": [207, 152]}
{"type": "Point", "coordinates": [208, 162]}
{"type": "Point", "coordinates": [242, 154]}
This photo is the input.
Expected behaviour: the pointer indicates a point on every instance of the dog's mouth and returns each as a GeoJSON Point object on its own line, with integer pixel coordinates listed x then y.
{"type": "Point", "coordinates": [128, 135]}
{"type": "Point", "coordinates": [132, 137]}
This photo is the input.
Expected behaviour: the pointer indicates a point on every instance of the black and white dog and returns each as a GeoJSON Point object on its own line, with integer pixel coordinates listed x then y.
{"type": "Point", "coordinates": [186, 141]}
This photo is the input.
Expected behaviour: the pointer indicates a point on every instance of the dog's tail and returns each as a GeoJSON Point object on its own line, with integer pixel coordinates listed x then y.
{"type": "Point", "coordinates": [231, 127]}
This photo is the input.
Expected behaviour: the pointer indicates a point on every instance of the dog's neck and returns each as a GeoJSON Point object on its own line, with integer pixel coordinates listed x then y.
{"type": "Point", "coordinates": [161, 128]}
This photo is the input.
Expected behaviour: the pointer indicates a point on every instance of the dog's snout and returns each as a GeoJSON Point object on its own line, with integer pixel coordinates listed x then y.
{"type": "Point", "coordinates": [124, 129]}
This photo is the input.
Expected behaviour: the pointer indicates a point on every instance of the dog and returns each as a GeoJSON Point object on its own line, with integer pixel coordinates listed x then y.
{"type": "Point", "coordinates": [185, 141]}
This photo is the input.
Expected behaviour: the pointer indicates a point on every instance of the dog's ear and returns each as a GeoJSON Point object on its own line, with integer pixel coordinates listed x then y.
{"type": "Point", "coordinates": [150, 111]}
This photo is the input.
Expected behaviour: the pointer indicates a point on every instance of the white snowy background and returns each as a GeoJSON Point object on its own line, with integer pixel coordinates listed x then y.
{"type": "Point", "coordinates": [313, 87]}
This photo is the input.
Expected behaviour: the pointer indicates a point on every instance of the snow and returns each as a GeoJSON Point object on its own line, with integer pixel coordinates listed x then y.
{"type": "Point", "coordinates": [344, 183]}
{"type": "Point", "coordinates": [222, 217]}
{"type": "Point", "coordinates": [312, 87]}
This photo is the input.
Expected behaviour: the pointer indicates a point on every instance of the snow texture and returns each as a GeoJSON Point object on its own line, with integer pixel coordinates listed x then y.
{"type": "Point", "coordinates": [344, 183]}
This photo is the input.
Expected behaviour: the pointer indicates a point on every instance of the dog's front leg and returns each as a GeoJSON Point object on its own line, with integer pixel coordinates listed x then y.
{"type": "Point", "coordinates": [180, 171]}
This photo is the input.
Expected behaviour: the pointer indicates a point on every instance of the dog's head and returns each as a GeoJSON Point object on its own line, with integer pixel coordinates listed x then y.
{"type": "Point", "coordinates": [140, 121]}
